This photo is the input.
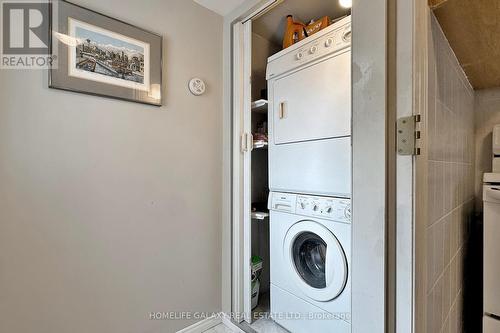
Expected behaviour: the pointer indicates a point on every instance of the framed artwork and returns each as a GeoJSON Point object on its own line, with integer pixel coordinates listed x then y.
{"type": "Point", "coordinates": [99, 55]}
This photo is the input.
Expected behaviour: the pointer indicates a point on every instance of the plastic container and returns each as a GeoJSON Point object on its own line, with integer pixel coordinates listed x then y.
{"type": "Point", "coordinates": [256, 271]}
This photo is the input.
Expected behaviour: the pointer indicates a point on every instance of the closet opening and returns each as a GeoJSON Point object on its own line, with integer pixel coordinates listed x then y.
{"type": "Point", "coordinates": [293, 42]}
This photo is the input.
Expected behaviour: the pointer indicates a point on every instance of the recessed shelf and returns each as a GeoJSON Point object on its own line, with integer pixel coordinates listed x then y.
{"type": "Point", "coordinates": [260, 144]}
{"type": "Point", "coordinates": [259, 106]}
{"type": "Point", "coordinates": [260, 215]}
{"type": "Point", "coordinates": [259, 211]}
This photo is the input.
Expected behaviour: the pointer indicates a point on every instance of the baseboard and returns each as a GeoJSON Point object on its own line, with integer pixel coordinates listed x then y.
{"type": "Point", "coordinates": [202, 325]}
{"type": "Point", "coordinates": [226, 320]}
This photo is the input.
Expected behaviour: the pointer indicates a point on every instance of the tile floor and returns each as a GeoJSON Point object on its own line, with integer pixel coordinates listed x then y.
{"type": "Point", "coordinates": [266, 325]}
{"type": "Point", "coordinates": [221, 328]}
{"type": "Point", "coordinates": [263, 325]}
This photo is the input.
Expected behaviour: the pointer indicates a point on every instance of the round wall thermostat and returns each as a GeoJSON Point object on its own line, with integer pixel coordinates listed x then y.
{"type": "Point", "coordinates": [197, 86]}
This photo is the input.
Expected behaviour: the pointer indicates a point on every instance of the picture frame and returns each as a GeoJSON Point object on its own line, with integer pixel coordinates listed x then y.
{"type": "Point", "coordinates": [99, 55]}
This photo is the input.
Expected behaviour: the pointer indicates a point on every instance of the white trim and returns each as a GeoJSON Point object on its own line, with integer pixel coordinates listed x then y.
{"type": "Point", "coordinates": [237, 175]}
{"type": "Point", "coordinates": [369, 151]}
{"type": "Point", "coordinates": [247, 169]}
{"type": "Point", "coordinates": [210, 322]}
{"type": "Point", "coordinates": [421, 26]}
{"type": "Point", "coordinates": [203, 325]}
{"type": "Point", "coordinates": [226, 320]}
{"type": "Point", "coordinates": [231, 297]}
{"type": "Point", "coordinates": [261, 9]}
{"type": "Point", "coordinates": [404, 170]}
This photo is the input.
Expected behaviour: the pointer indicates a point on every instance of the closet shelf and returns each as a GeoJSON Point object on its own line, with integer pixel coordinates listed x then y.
{"type": "Point", "coordinates": [259, 211]}
{"type": "Point", "coordinates": [260, 106]}
{"type": "Point", "coordinates": [260, 215]}
{"type": "Point", "coordinates": [259, 144]}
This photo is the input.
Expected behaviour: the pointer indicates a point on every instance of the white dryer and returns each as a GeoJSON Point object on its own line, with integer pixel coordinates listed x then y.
{"type": "Point", "coordinates": [310, 257]}
{"type": "Point", "coordinates": [309, 88]}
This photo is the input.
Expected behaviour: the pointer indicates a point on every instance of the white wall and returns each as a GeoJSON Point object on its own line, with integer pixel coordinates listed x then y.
{"type": "Point", "coordinates": [108, 209]}
{"type": "Point", "coordinates": [487, 110]}
{"type": "Point", "coordinates": [450, 183]}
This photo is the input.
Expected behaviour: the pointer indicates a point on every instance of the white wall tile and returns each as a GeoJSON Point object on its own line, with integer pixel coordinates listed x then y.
{"type": "Point", "coordinates": [450, 183]}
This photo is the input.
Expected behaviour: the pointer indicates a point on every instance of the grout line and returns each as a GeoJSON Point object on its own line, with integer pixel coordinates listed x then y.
{"type": "Point", "coordinates": [451, 162]}
{"type": "Point", "coordinates": [449, 213]}
{"type": "Point", "coordinates": [451, 307]}
{"type": "Point", "coordinates": [444, 269]}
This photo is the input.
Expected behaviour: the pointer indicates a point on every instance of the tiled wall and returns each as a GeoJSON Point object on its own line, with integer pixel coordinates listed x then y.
{"type": "Point", "coordinates": [450, 184]}
{"type": "Point", "coordinates": [487, 112]}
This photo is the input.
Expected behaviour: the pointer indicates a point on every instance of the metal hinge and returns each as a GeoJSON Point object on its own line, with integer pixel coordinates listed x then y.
{"type": "Point", "coordinates": [408, 135]}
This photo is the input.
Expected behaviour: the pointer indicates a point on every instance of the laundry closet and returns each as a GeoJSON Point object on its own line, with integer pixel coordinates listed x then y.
{"type": "Point", "coordinates": [298, 129]}
{"type": "Point", "coordinates": [425, 121]}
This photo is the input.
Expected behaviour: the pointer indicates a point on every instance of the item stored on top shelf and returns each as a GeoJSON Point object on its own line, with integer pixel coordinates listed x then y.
{"type": "Point", "coordinates": [296, 31]}
{"type": "Point", "coordinates": [315, 26]}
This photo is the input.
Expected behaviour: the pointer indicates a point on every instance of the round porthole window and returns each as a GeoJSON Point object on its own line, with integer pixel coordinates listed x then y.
{"type": "Point", "coordinates": [315, 260]}
{"type": "Point", "coordinates": [309, 258]}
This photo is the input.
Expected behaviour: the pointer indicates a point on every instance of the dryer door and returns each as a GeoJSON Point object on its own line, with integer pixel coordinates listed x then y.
{"type": "Point", "coordinates": [316, 260]}
{"type": "Point", "coordinates": [313, 103]}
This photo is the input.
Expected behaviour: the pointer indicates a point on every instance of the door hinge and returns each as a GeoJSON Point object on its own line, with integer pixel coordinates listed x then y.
{"type": "Point", "coordinates": [408, 135]}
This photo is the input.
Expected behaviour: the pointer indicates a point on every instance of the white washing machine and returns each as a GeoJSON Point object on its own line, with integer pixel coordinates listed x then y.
{"type": "Point", "coordinates": [310, 258]}
{"type": "Point", "coordinates": [309, 90]}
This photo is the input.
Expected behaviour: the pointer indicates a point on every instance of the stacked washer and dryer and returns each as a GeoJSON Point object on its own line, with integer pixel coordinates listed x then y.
{"type": "Point", "coordinates": [309, 88]}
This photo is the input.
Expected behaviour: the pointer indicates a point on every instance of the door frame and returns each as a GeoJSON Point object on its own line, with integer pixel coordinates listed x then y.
{"type": "Point", "coordinates": [236, 237]}
{"type": "Point", "coordinates": [374, 219]}
{"type": "Point", "coordinates": [242, 162]}
{"type": "Point", "coordinates": [404, 104]}
{"type": "Point", "coordinates": [421, 40]}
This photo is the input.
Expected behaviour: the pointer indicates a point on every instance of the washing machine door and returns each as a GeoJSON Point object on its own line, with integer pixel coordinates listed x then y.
{"type": "Point", "coordinates": [316, 260]}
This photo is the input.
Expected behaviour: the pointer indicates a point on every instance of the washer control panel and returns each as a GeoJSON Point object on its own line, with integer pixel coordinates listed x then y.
{"type": "Point", "coordinates": [324, 207]}
{"type": "Point", "coordinates": [282, 202]}
{"type": "Point", "coordinates": [329, 208]}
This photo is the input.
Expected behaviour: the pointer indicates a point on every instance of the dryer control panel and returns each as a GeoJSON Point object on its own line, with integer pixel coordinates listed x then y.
{"type": "Point", "coordinates": [329, 208]}
{"type": "Point", "coordinates": [328, 41]}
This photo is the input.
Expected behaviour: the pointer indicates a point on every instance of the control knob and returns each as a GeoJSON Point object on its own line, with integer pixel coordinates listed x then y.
{"type": "Point", "coordinates": [346, 36]}
{"type": "Point", "coordinates": [347, 212]}
{"type": "Point", "coordinates": [313, 49]}
{"type": "Point", "coordinates": [329, 42]}
{"type": "Point", "coordinates": [299, 55]}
